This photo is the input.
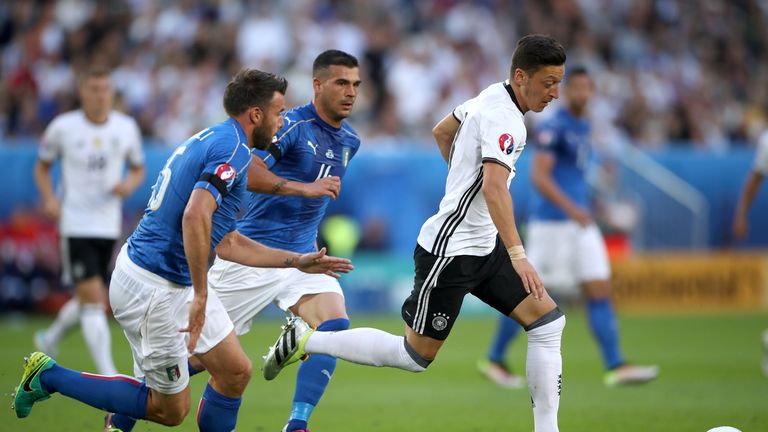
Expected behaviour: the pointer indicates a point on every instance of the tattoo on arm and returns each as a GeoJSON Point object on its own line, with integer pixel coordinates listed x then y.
{"type": "Point", "coordinates": [276, 188]}
{"type": "Point", "coordinates": [291, 262]}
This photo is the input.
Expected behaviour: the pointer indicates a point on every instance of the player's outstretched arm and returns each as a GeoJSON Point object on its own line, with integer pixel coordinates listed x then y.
{"type": "Point", "coordinates": [238, 248]}
{"type": "Point", "coordinates": [541, 177]}
{"type": "Point", "coordinates": [748, 193]}
{"type": "Point", "coordinates": [262, 180]}
{"type": "Point", "coordinates": [196, 231]}
{"type": "Point", "coordinates": [499, 203]}
{"type": "Point", "coordinates": [444, 132]}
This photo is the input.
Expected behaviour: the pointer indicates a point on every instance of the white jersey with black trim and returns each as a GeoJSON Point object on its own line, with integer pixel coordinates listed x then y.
{"type": "Point", "coordinates": [491, 130]}
{"type": "Point", "coordinates": [761, 159]}
{"type": "Point", "coordinates": [93, 158]}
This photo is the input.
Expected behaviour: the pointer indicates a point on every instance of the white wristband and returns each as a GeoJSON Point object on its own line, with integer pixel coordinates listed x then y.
{"type": "Point", "coordinates": [516, 252]}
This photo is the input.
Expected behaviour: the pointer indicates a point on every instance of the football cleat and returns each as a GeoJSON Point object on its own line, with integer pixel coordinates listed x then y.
{"type": "Point", "coordinates": [288, 349]}
{"type": "Point", "coordinates": [108, 424]}
{"type": "Point", "coordinates": [30, 390]}
{"type": "Point", "coordinates": [43, 343]}
{"type": "Point", "coordinates": [500, 374]}
{"type": "Point", "coordinates": [631, 374]}
{"type": "Point", "coordinates": [285, 429]}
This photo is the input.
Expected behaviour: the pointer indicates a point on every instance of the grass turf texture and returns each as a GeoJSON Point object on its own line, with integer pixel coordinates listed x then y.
{"type": "Point", "coordinates": [710, 376]}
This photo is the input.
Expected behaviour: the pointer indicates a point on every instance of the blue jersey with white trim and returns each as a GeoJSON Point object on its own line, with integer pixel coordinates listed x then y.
{"type": "Point", "coordinates": [215, 159]}
{"type": "Point", "coordinates": [567, 138]}
{"type": "Point", "coordinates": [306, 149]}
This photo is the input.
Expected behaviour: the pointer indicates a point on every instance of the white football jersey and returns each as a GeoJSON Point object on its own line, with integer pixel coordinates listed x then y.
{"type": "Point", "coordinates": [491, 130]}
{"type": "Point", "coordinates": [761, 159]}
{"type": "Point", "coordinates": [93, 160]}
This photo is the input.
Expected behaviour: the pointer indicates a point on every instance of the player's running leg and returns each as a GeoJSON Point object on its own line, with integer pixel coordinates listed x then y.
{"type": "Point", "coordinates": [230, 371]}
{"type": "Point", "coordinates": [117, 393]}
{"type": "Point", "coordinates": [94, 324]}
{"type": "Point", "coordinates": [494, 366]}
{"type": "Point", "coordinates": [605, 329]}
{"type": "Point", "coordinates": [67, 318]}
{"type": "Point", "coordinates": [326, 312]}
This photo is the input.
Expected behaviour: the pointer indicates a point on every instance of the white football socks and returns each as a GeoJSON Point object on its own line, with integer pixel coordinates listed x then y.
{"type": "Point", "coordinates": [66, 320]}
{"type": "Point", "coordinates": [544, 369]}
{"type": "Point", "coordinates": [367, 346]}
{"type": "Point", "coordinates": [93, 321]}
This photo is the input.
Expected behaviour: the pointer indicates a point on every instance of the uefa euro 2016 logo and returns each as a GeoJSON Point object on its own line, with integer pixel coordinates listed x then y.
{"type": "Point", "coordinates": [506, 143]}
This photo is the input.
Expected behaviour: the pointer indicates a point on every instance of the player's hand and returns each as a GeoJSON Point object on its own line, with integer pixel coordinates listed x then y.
{"type": "Point", "coordinates": [52, 209]}
{"type": "Point", "coordinates": [325, 187]}
{"type": "Point", "coordinates": [319, 262]}
{"type": "Point", "coordinates": [121, 190]}
{"type": "Point", "coordinates": [740, 227]}
{"type": "Point", "coordinates": [196, 320]}
{"type": "Point", "coordinates": [531, 280]}
{"type": "Point", "coordinates": [582, 217]}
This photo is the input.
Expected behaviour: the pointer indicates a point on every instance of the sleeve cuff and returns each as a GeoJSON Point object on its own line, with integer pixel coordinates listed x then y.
{"type": "Point", "coordinates": [211, 189]}
{"type": "Point", "coordinates": [496, 161]}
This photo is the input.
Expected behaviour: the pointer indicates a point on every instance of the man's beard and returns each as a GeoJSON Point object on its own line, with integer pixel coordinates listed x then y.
{"type": "Point", "coordinates": [261, 137]}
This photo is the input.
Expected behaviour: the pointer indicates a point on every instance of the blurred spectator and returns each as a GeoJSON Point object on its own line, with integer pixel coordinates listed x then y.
{"type": "Point", "coordinates": [667, 70]}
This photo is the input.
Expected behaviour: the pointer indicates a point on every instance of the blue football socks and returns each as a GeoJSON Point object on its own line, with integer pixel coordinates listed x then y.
{"type": "Point", "coordinates": [217, 413]}
{"type": "Point", "coordinates": [506, 330]}
{"type": "Point", "coordinates": [116, 393]}
{"type": "Point", "coordinates": [312, 379]}
{"type": "Point", "coordinates": [605, 328]}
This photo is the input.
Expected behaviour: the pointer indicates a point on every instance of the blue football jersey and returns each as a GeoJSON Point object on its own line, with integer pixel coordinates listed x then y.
{"type": "Point", "coordinates": [567, 138]}
{"type": "Point", "coordinates": [215, 159]}
{"type": "Point", "coordinates": [306, 149]}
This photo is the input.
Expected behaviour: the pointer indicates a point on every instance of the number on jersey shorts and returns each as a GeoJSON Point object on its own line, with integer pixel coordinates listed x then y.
{"type": "Point", "coordinates": [565, 254]}
{"type": "Point", "coordinates": [441, 283]}
{"type": "Point", "coordinates": [245, 291]}
{"type": "Point", "coordinates": [151, 310]}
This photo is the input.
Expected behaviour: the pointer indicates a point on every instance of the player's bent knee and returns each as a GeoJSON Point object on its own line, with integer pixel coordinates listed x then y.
{"type": "Point", "coordinates": [172, 414]}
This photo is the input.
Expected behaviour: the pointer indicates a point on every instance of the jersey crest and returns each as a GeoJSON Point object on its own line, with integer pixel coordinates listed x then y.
{"type": "Point", "coordinates": [226, 173]}
{"type": "Point", "coordinates": [506, 143]}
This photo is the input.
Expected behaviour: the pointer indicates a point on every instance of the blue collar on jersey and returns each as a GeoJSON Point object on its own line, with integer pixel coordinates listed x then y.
{"type": "Point", "coordinates": [322, 122]}
{"type": "Point", "coordinates": [240, 130]}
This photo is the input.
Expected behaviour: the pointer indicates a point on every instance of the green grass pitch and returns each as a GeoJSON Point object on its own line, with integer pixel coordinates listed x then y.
{"type": "Point", "coordinates": [710, 376]}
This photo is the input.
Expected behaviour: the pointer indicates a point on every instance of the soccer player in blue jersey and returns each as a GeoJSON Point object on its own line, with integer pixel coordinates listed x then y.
{"type": "Point", "coordinates": [563, 242]}
{"type": "Point", "coordinates": [295, 179]}
{"type": "Point", "coordinates": [159, 292]}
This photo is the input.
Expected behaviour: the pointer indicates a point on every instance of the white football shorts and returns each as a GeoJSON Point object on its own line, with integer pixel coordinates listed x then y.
{"type": "Point", "coordinates": [151, 310]}
{"type": "Point", "coordinates": [565, 254]}
{"type": "Point", "coordinates": [245, 291]}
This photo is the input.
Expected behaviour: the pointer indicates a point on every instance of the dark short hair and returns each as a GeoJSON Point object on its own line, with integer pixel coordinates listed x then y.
{"type": "Point", "coordinates": [250, 88]}
{"type": "Point", "coordinates": [534, 52]}
{"type": "Point", "coordinates": [97, 71]}
{"type": "Point", "coordinates": [330, 58]}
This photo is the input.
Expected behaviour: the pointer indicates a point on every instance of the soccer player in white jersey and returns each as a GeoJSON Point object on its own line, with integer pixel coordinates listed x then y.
{"type": "Point", "coordinates": [747, 196]}
{"type": "Point", "coordinates": [564, 243]}
{"type": "Point", "coordinates": [93, 144]}
{"type": "Point", "coordinates": [470, 246]}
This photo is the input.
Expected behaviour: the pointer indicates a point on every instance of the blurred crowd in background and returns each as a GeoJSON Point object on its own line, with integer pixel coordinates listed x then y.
{"type": "Point", "coordinates": [669, 72]}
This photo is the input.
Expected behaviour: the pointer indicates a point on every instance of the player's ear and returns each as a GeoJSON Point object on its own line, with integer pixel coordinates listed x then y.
{"type": "Point", "coordinates": [316, 83]}
{"type": "Point", "coordinates": [520, 77]}
{"type": "Point", "coordinates": [256, 115]}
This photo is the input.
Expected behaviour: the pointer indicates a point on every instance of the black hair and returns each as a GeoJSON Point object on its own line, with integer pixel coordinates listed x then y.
{"type": "Point", "coordinates": [330, 58]}
{"type": "Point", "coordinates": [536, 51]}
{"type": "Point", "coordinates": [250, 88]}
